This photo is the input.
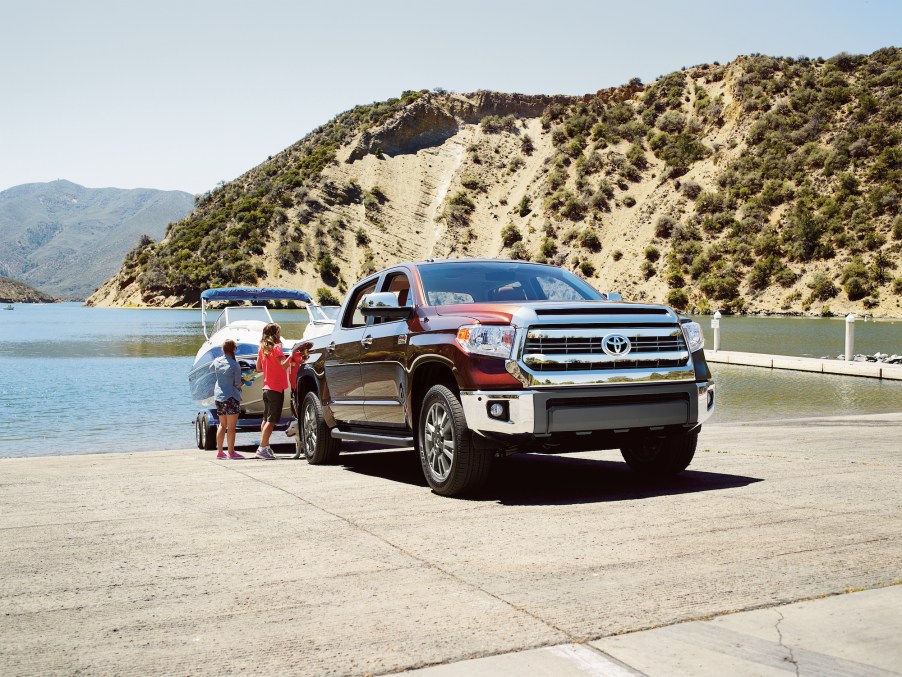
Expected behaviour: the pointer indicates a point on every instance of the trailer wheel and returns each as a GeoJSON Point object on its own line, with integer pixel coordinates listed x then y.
{"type": "Point", "coordinates": [205, 433]}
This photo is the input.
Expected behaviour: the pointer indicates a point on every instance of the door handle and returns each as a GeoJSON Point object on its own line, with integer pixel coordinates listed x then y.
{"type": "Point", "coordinates": [331, 347]}
{"type": "Point", "coordinates": [366, 341]}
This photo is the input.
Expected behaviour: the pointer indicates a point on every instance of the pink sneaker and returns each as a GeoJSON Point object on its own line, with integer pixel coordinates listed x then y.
{"type": "Point", "coordinates": [235, 457]}
{"type": "Point", "coordinates": [221, 455]}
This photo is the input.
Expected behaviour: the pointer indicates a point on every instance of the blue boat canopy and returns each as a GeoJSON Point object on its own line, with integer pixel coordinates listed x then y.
{"type": "Point", "coordinates": [254, 294]}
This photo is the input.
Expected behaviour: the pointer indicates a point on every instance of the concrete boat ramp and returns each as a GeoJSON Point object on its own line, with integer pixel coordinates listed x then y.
{"type": "Point", "coordinates": [778, 552]}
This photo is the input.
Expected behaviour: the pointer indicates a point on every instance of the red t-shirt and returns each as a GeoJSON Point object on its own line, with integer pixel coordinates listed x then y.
{"type": "Point", "coordinates": [274, 375]}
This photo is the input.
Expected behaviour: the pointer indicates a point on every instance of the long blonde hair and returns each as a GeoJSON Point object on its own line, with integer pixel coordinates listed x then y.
{"type": "Point", "coordinates": [270, 338]}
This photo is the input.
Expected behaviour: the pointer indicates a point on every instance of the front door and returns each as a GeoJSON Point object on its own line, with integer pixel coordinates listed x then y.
{"type": "Point", "coordinates": [383, 362]}
{"type": "Point", "coordinates": [342, 365]}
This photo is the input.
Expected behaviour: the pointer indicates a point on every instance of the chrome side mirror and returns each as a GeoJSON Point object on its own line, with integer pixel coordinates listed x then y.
{"type": "Point", "coordinates": [385, 305]}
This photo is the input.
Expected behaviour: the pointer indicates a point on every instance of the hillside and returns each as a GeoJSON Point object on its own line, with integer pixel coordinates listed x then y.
{"type": "Point", "coordinates": [766, 184]}
{"type": "Point", "coordinates": [68, 239]}
{"type": "Point", "coordinates": [13, 291]}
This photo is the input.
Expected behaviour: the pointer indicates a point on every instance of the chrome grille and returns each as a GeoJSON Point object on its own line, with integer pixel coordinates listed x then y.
{"type": "Point", "coordinates": [549, 348]}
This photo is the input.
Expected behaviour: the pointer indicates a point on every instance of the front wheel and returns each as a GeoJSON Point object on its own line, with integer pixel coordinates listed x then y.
{"type": "Point", "coordinates": [661, 457]}
{"type": "Point", "coordinates": [452, 464]}
{"type": "Point", "coordinates": [319, 446]}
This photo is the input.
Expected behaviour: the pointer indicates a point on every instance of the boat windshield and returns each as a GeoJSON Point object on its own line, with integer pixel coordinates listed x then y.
{"type": "Point", "coordinates": [242, 314]}
{"type": "Point", "coordinates": [323, 314]}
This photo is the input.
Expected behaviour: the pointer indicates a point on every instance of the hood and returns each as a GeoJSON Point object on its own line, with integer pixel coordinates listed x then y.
{"type": "Point", "coordinates": [503, 313]}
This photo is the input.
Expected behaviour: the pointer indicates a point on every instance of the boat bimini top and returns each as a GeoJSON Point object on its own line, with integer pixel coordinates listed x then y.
{"type": "Point", "coordinates": [248, 294]}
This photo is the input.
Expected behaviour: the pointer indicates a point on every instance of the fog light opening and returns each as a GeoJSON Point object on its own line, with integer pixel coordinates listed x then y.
{"type": "Point", "coordinates": [710, 399]}
{"type": "Point", "coordinates": [498, 411]}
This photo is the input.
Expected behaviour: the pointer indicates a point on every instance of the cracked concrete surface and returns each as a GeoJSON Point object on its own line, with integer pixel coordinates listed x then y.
{"type": "Point", "coordinates": [174, 562]}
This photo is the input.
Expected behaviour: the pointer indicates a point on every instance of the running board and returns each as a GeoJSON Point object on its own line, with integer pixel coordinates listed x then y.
{"type": "Point", "coordinates": [393, 440]}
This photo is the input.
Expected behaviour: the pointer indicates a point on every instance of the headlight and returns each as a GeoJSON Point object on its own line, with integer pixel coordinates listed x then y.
{"type": "Point", "coordinates": [695, 339]}
{"type": "Point", "coordinates": [489, 340]}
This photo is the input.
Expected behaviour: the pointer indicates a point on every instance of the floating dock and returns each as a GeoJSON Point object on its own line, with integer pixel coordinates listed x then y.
{"type": "Point", "coordinates": [814, 364]}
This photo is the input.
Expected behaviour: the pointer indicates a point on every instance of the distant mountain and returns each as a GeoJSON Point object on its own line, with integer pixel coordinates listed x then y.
{"type": "Point", "coordinates": [13, 291]}
{"type": "Point", "coordinates": [67, 239]}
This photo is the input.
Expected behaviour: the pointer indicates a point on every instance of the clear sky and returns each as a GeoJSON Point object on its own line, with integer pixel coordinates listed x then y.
{"type": "Point", "coordinates": [183, 94]}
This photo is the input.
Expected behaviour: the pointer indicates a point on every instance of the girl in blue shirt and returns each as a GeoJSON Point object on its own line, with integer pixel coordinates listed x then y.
{"type": "Point", "coordinates": [227, 394]}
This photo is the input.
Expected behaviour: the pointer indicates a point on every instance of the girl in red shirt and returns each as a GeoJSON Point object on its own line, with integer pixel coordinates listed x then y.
{"type": "Point", "coordinates": [273, 362]}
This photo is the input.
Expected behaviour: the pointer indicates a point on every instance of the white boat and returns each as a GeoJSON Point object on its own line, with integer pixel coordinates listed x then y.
{"type": "Point", "coordinates": [244, 325]}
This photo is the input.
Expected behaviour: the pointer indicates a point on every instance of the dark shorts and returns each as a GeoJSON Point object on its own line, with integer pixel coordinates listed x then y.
{"type": "Point", "coordinates": [230, 407]}
{"type": "Point", "coordinates": [273, 401]}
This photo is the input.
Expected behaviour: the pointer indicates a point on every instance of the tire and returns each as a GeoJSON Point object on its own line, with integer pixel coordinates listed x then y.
{"type": "Point", "coordinates": [319, 447]}
{"type": "Point", "coordinates": [452, 464]}
{"type": "Point", "coordinates": [661, 457]}
{"type": "Point", "coordinates": [199, 432]}
{"type": "Point", "coordinates": [208, 437]}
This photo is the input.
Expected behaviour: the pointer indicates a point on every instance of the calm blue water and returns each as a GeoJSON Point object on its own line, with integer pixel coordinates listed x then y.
{"type": "Point", "coordinates": [78, 380]}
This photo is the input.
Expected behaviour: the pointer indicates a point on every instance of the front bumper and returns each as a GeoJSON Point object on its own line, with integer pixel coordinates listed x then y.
{"type": "Point", "coordinates": [577, 410]}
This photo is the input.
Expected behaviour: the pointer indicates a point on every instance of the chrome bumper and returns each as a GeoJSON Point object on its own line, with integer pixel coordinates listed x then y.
{"type": "Point", "coordinates": [521, 414]}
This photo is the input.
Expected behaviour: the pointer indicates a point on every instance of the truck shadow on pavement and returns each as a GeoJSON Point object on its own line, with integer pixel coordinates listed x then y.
{"type": "Point", "coordinates": [532, 479]}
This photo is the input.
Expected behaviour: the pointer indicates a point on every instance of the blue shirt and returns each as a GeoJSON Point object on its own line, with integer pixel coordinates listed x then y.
{"type": "Point", "coordinates": [228, 378]}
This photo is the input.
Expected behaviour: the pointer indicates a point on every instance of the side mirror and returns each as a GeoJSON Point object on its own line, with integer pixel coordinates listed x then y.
{"type": "Point", "coordinates": [385, 305]}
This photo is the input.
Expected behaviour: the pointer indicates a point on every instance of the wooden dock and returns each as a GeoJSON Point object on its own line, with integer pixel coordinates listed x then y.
{"type": "Point", "coordinates": [813, 364]}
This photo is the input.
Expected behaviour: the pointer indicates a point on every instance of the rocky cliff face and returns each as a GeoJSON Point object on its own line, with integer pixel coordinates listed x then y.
{"type": "Point", "coordinates": [762, 185]}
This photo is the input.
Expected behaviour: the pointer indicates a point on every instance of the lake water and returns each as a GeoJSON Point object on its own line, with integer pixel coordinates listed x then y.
{"type": "Point", "coordinates": [79, 380]}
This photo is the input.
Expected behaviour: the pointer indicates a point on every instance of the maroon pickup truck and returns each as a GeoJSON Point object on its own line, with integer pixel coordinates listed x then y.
{"type": "Point", "coordinates": [467, 360]}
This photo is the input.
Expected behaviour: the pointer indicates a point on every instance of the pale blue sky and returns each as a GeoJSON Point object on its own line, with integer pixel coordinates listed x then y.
{"type": "Point", "coordinates": [180, 95]}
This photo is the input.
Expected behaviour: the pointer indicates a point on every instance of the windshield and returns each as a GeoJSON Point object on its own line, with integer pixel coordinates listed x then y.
{"type": "Point", "coordinates": [500, 282]}
{"type": "Point", "coordinates": [323, 314]}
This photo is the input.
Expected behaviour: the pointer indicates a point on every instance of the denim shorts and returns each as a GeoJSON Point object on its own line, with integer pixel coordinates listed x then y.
{"type": "Point", "coordinates": [228, 408]}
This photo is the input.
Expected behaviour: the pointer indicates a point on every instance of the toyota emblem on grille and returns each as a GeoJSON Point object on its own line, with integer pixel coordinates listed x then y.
{"type": "Point", "coordinates": [616, 345]}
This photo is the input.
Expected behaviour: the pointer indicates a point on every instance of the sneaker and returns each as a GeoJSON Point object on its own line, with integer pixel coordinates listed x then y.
{"type": "Point", "coordinates": [235, 457]}
{"type": "Point", "coordinates": [261, 454]}
{"type": "Point", "coordinates": [269, 453]}
{"type": "Point", "coordinates": [221, 455]}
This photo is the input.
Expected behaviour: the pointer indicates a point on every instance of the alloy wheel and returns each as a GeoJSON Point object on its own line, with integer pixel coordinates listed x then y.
{"type": "Point", "coordinates": [310, 428]}
{"type": "Point", "coordinates": [438, 441]}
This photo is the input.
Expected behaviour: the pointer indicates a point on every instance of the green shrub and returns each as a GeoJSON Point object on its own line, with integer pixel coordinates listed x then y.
{"type": "Point", "coordinates": [494, 124]}
{"type": "Point", "coordinates": [328, 269]}
{"type": "Point", "coordinates": [549, 248]}
{"type": "Point", "coordinates": [822, 287]}
{"type": "Point", "coordinates": [472, 182]}
{"type": "Point", "coordinates": [629, 201]}
{"type": "Point", "coordinates": [510, 234]}
{"type": "Point", "coordinates": [652, 253]}
{"type": "Point", "coordinates": [326, 298]}
{"type": "Point", "coordinates": [588, 239]}
{"type": "Point", "coordinates": [678, 299]}
{"type": "Point", "coordinates": [586, 268]}
{"type": "Point", "coordinates": [616, 254]}
{"type": "Point", "coordinates": [523, 207]}
{"type": "Point", "coordinates": [527, 145]}
{"type": "Point", "coordinates": [460, 206]}
{"type": "Point", "coordinates": [648, 269]}
{"type": "Point", "coordinates": [675, 280]}
{"type": "Point", "coordinates": [664, 226]}
{"type": "Point", "coordinates": [361, 237]}
{"type": "Point", "coordinates": [518, 252]}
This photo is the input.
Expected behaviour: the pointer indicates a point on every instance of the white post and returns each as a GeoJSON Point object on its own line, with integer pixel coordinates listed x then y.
{"type": "Point", "coordinates": [715, 325]}
{"type": "Point", "coordinates": [850, 336]}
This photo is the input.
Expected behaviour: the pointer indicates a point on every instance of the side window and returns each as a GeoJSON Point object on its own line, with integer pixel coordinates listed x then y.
{"type": "Point", "coordinates": [353, 317]}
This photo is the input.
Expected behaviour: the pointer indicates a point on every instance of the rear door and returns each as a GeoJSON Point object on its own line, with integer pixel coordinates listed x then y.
{"type": "Point", "coordinates": [342, 363]}
{"type": "Point", "coordinates": [383, 362]}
